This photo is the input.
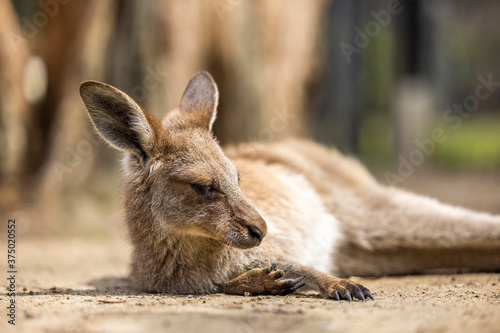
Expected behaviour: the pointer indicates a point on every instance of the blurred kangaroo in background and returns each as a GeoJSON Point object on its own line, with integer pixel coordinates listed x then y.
{"type": "Point", "coordinates": [204, 220]}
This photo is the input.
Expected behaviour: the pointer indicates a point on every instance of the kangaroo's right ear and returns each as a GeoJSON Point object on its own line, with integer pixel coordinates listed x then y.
{"type": "Point", "coordinates": [119, 119]}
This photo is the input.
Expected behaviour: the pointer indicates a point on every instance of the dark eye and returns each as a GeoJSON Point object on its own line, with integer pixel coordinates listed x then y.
{"type": "Point", "coordinates": [204, 189]}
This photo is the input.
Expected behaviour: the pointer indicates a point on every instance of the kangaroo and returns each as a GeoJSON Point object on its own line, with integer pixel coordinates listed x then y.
{"type": "Point", "coordinates": [268, 218]}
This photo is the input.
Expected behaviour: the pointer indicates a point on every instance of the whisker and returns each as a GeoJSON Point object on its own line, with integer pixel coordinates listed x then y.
{"type": "Point", "coordinates": [258, 197]}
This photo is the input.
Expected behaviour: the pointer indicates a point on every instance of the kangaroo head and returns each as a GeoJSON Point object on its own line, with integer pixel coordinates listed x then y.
{"type": "Point", "coordinates": [176, 173]}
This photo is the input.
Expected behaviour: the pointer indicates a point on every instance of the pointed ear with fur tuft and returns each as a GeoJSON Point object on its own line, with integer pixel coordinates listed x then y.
{"type": "Point", "coordinates": [119, 119]}
{"type": "Point", "coordinates": [200, 100]}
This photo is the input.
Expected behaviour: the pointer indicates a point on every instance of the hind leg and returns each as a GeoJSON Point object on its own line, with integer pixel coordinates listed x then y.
{"type": "Point", "coordinates": [389, 231]}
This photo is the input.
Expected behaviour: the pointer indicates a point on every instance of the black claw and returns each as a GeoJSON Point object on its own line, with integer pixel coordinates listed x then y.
{"type": "Point", "coordinates": [348, 296]}
{"type": "Point", "coordinates": [335, 295]}
{"type": "Point", "coordinates": [360, 295]}
{"type": "Point", "coordinates": [292, 283]}
{"type": "Point", "coordinates": [273, 266]}
{"type": "Point", "coordinates": [293, 289]}
{"type": "Point", "coordinates": [366, 293]}
{"type": "Point", "coordinates": [287, 269]}
{"type": "Point", "coordinates": [297, 280]}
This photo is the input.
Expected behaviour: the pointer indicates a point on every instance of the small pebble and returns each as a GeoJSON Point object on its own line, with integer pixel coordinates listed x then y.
{"type": "Point", "coordinates": [460, 285]}
{"type": "Point", "coordinates": [31, 292]}
{"type": "Point", "coordinates": [189, 296]}
{"type": "Point", "coordinates": [29, 315]}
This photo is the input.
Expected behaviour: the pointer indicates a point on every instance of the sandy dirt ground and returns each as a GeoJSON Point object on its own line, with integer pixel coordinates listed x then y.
{"type": "Point", "coordinates": [75, 284]}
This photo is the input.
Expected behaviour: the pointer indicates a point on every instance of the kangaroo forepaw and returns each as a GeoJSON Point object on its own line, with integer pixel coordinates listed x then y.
{"type": "Point", "coordinates": [263, 281]}
{"type": "Point", "coordinates": [347, 290]}
{"type": "Point", "coordinates": [281, 287]}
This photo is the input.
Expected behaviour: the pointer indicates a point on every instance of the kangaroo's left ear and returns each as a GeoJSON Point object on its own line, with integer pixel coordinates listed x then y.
{"type": "Point", "coordinates": [200, 100]}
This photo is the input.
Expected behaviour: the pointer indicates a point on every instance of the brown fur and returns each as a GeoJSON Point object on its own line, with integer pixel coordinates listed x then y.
{"type": "Point", "coordinates": [202, 220]}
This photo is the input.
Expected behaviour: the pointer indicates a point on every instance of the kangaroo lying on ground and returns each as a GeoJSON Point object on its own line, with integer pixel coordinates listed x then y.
{"type": "Point", "coordinates": [202, 220]}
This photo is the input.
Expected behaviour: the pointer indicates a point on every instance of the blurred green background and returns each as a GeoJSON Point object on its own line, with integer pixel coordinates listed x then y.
{"type": "Point", "coordinates": [369, 77]}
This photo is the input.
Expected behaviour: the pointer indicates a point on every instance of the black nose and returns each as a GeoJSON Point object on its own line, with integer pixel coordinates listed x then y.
{"type": "Point", "coordinates": [255, 232]}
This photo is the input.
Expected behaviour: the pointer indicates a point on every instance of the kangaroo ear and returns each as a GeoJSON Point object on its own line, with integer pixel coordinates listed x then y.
{"type": "Point", "coordinates": [119, 119]}
{"type": "Point", "coordinates": [200, 100]}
